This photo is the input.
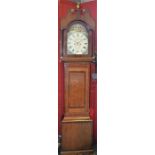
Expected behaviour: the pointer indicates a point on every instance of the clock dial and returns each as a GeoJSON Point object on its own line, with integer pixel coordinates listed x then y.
{"type": "Point", "coordinates": [77, 40]}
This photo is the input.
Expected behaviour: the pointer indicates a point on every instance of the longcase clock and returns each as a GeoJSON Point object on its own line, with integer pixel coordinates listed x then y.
{"type": "Point", "coordinates": [77, 53]}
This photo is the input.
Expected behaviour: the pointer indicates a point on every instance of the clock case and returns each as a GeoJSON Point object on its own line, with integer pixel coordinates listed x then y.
{"type": "Point", "coordinates": [77, 126]}
{"type": "Point", "coordinates": [78, 17]}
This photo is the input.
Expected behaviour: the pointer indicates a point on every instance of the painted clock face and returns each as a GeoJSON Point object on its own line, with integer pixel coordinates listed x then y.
{"type": "Point", "coordinates": [77, 40]}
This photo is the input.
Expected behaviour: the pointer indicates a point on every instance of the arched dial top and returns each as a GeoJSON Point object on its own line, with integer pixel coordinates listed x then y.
{"type": "Point", "coordinates": [77, 40]}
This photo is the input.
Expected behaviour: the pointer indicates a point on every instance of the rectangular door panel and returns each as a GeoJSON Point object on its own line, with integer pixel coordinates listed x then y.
{"type": "Point", "coordinates": [77, 78]}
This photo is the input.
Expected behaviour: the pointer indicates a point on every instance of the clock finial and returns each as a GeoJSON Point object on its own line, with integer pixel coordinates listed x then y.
{"type": "Point", "coordinates": [78, 2]}
{"type": "Point", "coordinates": [78, 5]}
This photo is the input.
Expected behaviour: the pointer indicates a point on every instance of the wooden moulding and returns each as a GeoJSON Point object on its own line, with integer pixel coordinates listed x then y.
{"type": "Point", "coordinates": [82, 152]}
{"type": "Point", "coordinates": [76, 119]}
{"type": "Point", "coordinates": [77, 135]}
{"type": "Point", "coordinates": [77, 59]}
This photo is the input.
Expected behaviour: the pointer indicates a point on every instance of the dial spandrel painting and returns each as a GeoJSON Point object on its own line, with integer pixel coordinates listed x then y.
{"type": "Point", "coordinates": [77, 40]}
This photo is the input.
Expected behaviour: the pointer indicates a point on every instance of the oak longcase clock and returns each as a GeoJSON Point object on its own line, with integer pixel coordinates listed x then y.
{"type": "Point", "coordinates": [77, 53]}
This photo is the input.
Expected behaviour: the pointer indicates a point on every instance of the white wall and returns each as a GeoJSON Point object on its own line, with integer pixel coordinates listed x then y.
{"type": "Point", "coordinates": [126, 76]}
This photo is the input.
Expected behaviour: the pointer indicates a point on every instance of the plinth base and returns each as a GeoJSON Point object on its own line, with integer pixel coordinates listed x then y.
{"type": "Point", "coordinates": [77, 135]}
